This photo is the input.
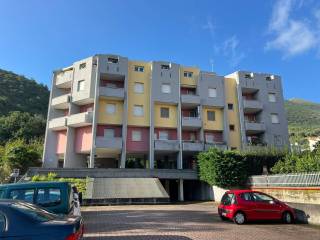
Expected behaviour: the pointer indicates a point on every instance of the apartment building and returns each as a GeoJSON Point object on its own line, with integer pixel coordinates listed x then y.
{"type": "Point", "coordinates": [107, 111]}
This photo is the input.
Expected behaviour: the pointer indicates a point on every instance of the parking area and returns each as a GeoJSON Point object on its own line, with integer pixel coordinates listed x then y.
{"type": "Point", "coordinates": [181, 222]}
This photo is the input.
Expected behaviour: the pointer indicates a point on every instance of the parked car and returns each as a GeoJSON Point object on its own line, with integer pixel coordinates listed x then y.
{"type": "Point", "coordinates": [22, 220]}
{"type": "Point", "coordinates": [57, 197]}
{"type": "Point", "coordinates": [246, 205]}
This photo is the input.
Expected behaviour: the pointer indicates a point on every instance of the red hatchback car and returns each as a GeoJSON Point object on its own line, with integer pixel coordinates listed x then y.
{"type": "Point", "coordinates": [246, 205]}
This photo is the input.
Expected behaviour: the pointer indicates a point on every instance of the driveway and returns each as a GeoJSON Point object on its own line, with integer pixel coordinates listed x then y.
{"type": "Point", "coordinates": [181, 222]}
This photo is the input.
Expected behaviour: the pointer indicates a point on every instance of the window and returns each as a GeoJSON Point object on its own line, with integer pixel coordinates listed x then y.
{"type": "Point", "coordinates": [274, 118]}
{"type": "Point", "coordinates": [48, 197]}
{"type": "Point", "coordinates": [138, 68]}
{"type": "Point", "coordinates": [164, 112]}
{"type": "Point", "coordinates": [230, 106]}
{"type": "Point", "coordinates": [209, 138]}
{"type": "Point", "coordinates": [110, 108]}
{"type": "Point", "coordinates": [1, 193]}
{"type": "Point", "coordinates": [138, 110]}
{"type": "Point", "coordinates": [36, 213]}
{"type": "Point", "coordinates": [192, 136]}
{"type": "Point", "coordinates": [80, 85]}
{"type": "Point", "coordinates": [163, 135]}
{"type": "Point", "coordinates": [136, 136]}
{"type": "Point", "coordinates": [2, 223]}
{"type": "Point", "coordinates": [249, 76]}
{"type": "Point", "coordinates": [259, 197]}
{"type": "Point", "coordinates": [212, 92]}
{"type": "Point", "coordinates": [112, 60]}
{"type": "Point", "coordinates": [211, 116]}
{"type": "Point", "coordinates": [188, 74]}
{"type": "Point", "coordinates": [108, 133]}
{"type": "Point", "coordinates": [277, 140]}
{"type": "Point", "coordinates": [233, 148]}
{"type": "Point", "coordinates": [166, 88]}
{"type": "Point", "coordinates": [228, 199]}
{"type": "Point", "coordinates": [246, 196]}
{"type": "Point", "coordinates": [165, 66]}
{"type": "Point", "coordinates": [82, 65]}
{"type": "Point", "coordinates": [270, 78]}
{"type": "Point", "coordinates": [272, 97]}
{"type": "Point", "coordinates": [231, 127]}
{"type": "Point", "coordinates": [111, 85]}
{"type": "Point", "coordinates": [22, 194]}
{"type": "Point", "coordinates": [138, 87]}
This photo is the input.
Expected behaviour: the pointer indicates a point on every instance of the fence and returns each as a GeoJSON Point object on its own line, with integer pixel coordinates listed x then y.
{"type": "Point", "coordinates": [286, 180]}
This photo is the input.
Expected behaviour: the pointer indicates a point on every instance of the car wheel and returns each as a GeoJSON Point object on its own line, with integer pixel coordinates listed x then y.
{"type": "Point", "coordinates": [239, 218]}
{"type": "Point", "coordinates": [287, 218]}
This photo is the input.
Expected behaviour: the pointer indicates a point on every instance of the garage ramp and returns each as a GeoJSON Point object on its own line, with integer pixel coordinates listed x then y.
{"type": "Point", "coordinates": [113, 191]}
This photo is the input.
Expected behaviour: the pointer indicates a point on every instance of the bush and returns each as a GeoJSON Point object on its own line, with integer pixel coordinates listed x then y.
{"type": "Point", "coordinates": [78, 182]}
{"type": "Point", "coordinates": [224, 169]}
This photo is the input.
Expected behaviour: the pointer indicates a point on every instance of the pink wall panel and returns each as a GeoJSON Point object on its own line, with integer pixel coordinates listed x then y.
{"type": "Point", "coordinates": [217, 135]}
{"type": "Point", "coordinates": [138, 146]}
{"type": "Point", "coordinates": [117, 130]}
{"type": "Point", "coordinates": [173, 135]}
{"type": "Point", "coordinates": [61, 141]}
{"type": "Point", "coordinates": [83, 139]}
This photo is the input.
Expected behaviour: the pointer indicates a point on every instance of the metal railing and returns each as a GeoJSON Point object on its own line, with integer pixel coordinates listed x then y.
{"type": "Point", "coordinates": [286, 180]}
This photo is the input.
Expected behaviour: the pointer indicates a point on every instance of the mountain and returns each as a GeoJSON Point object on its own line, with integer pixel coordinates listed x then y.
{"type": "Point", "coordinates": [18, 93]}
{"type": "Point", "coordinates": [303, 118]}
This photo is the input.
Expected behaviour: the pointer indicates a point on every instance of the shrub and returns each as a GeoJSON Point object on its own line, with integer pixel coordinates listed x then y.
{"type": "Point", "coordinates": [223, 169]}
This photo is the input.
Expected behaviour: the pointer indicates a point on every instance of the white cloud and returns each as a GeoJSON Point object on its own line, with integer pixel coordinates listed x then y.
{"type": "Point", "coordinates": [292, 36]}
{"type": "Point", "coordinates": [230, 50]}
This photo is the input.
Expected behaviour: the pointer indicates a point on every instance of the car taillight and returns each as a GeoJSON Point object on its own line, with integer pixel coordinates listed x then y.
{"type": "Point", "coordinates": [73, 236]}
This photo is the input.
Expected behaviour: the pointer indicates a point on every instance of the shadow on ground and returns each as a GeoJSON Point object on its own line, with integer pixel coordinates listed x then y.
{"type": "Point", "coordinates": [143, 237]}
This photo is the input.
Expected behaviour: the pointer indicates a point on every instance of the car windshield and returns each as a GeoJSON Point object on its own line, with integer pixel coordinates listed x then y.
{"type": "Point", "coordinates": [34, 212]}
{"type": "Point", "coordinates": [228, 199]}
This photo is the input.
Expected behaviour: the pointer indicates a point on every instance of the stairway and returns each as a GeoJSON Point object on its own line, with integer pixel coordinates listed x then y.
{"type": "Point", "coordinates": [113, 191]}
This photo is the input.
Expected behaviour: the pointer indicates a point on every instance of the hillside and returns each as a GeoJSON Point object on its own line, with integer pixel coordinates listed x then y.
{"type": "Point", "coordinates": [18, 93]}
{"type": "Point", "coordinates": [303, 119]}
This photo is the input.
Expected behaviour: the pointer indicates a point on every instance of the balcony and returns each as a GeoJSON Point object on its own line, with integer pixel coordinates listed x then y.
{"type": "Point", "coordinates": [252, 106]}
{"type": "Point", "coordinates": [219, 145]}
{"type": "Point", "coordinates": [109, 143]}
{"type": "Point", "coordinates": [255, 127]}
{"type": "Point", "coordinates": [80, 119]}
{"type": "Point", "coordinates": [190, 99]}
{"type": "Point", "coordinates": [192, 146]}
{"type": "Point", "coordinates": [191, 122]}
{"type": "Point", "coordinates": [57, 124]}
{"type": "Point", "coordinates": [115, 93]}
{"type": "Point", "coordinates": [64, 79]}
{"type": "Point", "coordinates": [61, 102]}
{"type": "Point", "coordinates": [166, 145]}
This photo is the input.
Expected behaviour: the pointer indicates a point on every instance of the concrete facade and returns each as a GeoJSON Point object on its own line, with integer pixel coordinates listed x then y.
{"type": "Point", "coordinates": [171, 112]}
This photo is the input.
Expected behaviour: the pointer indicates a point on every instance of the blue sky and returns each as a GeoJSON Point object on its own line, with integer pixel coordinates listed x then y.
{"type": "Point", "coordinates": [281, 37]}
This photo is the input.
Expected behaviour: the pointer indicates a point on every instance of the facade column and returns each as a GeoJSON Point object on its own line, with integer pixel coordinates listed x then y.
{"type": "Point", "coordinates": [181, 193]}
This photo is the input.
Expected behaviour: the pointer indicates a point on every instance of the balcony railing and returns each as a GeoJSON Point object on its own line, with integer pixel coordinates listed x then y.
{"type": "Point", "coordinates": [64, 79]}
{"type": "Point", "coordinates": [80, 119]}
{"type": "Point", "coordinates": [195, 146]}
{"type": "Point", "coordinates": [110, 143]}
{"type": "Point", "coordinates": [252, 106]}
{"type": "Point", "coordinates": [192, 122]}
{"type": "Point", "coordinates": [217, 144]}
{"type": "Point", "coordinates": [61, 102]}
{"type": "Point", "coordinates": [59, 123]}
{"type": "Point", "coordinates": [190, 99]}
{"type": "Point", "coordinates": [166, 145]}
{"type": "Point", "coordinates": [112, 92]}
{"type": "Point", "coordinates": [253, 126]}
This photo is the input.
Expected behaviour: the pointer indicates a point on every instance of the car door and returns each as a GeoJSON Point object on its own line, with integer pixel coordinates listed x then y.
{"type": "Point", "coordinates": [266, 206]}
{"type": "Point", "coordinates": [248, 205]}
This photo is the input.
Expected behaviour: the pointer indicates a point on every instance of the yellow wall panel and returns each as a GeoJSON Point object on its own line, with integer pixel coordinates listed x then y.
{"type": "Point", "coordinates": [105, 118]}
{"type": "Point", "coordinates": [217, 124]}
{"type": "Point", "coordinates": [186, 81]}
{"type": "Point", "coordinates": [170, 122]}
{"type": "Point", "coordinates": [139, 98]}
{"type": "Point", "coordinates": [233, 115]}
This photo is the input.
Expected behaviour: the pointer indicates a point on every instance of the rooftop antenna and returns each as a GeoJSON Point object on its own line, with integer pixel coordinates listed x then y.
{"type": "Point", "coordinates": [211, 63]}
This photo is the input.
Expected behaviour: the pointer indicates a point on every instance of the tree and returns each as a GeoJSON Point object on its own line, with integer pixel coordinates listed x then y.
{"type": "Point", "coordinates": [21, 125]}
{"type": "Point", "coordinates": [18, 154]}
